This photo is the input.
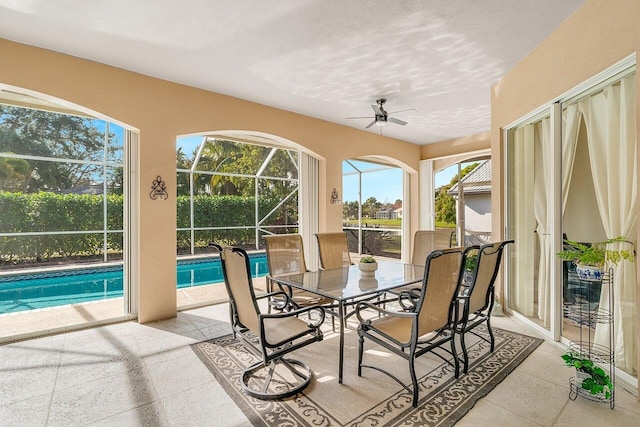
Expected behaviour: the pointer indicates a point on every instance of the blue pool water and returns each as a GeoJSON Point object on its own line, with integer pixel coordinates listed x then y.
{"type": "Point", "coordinates": [20, 292]}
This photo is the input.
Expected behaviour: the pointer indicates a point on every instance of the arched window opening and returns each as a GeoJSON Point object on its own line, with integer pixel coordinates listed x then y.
{"type": "Point", "coordinates": [234, 192]}
{"type": "Point", "coordinates": [372, 207]}
{"type": "Point", "coordinates": [463, 200]}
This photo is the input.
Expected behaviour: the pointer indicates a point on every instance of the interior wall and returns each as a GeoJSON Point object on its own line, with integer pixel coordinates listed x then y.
{"type": "Point", "coordinates": [598, 35]}
{"type": "Point", "coordinates": [452, 147]}
{"type": "Point", "coordinates": [159, 111]}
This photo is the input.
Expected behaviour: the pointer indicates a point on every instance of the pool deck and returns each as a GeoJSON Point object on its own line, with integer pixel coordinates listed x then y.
{"type": "Point", "coordinates": [29, 324]}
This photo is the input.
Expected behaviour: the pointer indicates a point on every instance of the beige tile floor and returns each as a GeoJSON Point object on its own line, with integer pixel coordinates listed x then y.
{"type": "Point", "coordinates": [128, 374]}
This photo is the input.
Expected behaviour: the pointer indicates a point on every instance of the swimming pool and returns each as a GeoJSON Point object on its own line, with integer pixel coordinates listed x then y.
{"type": "Point", "coordinates": [30, 291]}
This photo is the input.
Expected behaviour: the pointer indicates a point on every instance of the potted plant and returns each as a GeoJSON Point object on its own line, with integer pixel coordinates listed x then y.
{"type": "Point", "coordinates": [591, 259]}
{"type": "Point", "coordinates": [368, 265]}
{"type": "Point", "coordinates": [589, 376]}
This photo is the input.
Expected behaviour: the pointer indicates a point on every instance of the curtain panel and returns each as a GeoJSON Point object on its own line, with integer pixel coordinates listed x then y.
{"type": "Point", "coordinates": [610, 122]}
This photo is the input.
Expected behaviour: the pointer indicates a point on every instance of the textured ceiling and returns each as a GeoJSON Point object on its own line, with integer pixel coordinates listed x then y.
{"type": "Point", "coordinates": [328, 59]}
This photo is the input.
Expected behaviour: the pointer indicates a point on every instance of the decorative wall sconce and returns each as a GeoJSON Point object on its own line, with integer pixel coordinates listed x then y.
{"type": "Point", "coordinates": [335, 197]}
{"type": "Point", "coordinates": [158, 189]}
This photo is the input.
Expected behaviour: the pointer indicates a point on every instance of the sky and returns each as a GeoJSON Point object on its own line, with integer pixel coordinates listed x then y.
{"type": "Point", "coordinates": [189, 143]}
{"type": "Point", "coordinates": [386, 186]}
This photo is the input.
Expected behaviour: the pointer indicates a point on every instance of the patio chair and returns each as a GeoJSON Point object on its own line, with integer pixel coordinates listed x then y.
{"type": "Point", "coordinates": [285, 255]}
{"type": "Point", "coordinates": [477, 298]}
{"type": "Point", "coordinates": [274, 376]}
{"type": "Point", "coordinates": [334, 253]}
{"type": "Point", "coordinates": [428, 322]}
{"type": "Point", "coordinates": [334, 250]}
{"type": "Point", "coordinates": [425, 241]}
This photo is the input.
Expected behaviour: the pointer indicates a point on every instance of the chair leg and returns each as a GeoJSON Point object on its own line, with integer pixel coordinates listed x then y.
{"type": "Point", "coordinates": [490, 333]}
{"type": "Point", "coordinates": [456, 363]}
{"type": "Point", "coordinates": [465, 355]}
{"type": "Point", "coordinates": [360, 353]}
{"type": "Point", "coordinates": [414, 379]}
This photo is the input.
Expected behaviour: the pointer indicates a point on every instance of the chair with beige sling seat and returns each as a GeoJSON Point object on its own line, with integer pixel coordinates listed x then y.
{"type": "Point", "coordinates": [477, 297]}
{"type": "Point", "coordinates": [426, 241]}
{"type": "Point", "coordinates": [274, 376]}
{"type": "Point", "coordinates": [285, 255]}
{"type": "Point", "coordinates": [334, 250]}
{"type": "Point", "coordinates": [428, 322]}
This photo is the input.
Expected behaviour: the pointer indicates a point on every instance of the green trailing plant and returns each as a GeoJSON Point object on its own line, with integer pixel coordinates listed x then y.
{"type": "Point", "coordinates": [598, 381]}
{"type": "Point", "coordinates": [368, 260]}
{"type": "Point", "coordinates": [596, 254]}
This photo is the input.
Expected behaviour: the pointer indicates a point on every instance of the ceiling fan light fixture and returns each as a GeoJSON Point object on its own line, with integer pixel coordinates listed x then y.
{"type": "Point", "coordinates": [381, 122]}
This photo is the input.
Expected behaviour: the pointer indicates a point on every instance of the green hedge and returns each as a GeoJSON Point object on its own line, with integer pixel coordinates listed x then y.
{"type": "Point", "coordinates": [45, 211]}
{"type": "Point", "coordinates": [227, 211]}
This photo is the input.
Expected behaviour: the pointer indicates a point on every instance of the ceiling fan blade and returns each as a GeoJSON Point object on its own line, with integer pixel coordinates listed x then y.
{"type": "Point", "coordinates": [370, 124]}
{"type": "Point", "coordinates": [403, 111]}
{"type": "Point", "coordinates": [363, 117]}
{"type": "Point", "coordinates": [377, 110]}
{"type": "Point", "coordinates": [396, 121]}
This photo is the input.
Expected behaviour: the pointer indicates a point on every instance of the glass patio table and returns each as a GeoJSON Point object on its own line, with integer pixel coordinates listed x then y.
{"type": "Point", "coordinates": [348, 284]}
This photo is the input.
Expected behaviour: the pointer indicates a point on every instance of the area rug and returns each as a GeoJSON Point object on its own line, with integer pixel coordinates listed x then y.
{"type": "Point", "coordinates": [373, 399]}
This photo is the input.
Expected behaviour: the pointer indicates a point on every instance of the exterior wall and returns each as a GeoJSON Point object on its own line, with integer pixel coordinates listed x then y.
{"type": "Point", "coordinates": [477, 212]}
{"type": "Point", "coordinates": [596, 36]}
{"type": "Point", "coordinates": [160, 111]}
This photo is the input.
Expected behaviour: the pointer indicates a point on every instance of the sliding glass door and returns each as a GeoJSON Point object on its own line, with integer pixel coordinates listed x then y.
{"type": "Point", "coordinates": [574, 178]}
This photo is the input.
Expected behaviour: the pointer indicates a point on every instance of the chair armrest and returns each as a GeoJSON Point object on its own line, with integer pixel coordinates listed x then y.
{"type": "Point", "coordinates": [298, 312]}
{"type": "Point", "coordinates": [287, 301]}
{"type": "Point", "coordinates": [407, 299]}
{"type": "Point", "coordinates": [367, 305]}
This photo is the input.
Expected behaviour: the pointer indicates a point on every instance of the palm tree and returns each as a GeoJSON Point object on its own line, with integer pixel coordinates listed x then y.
{"type": "Point", "coordinates": [217, 156]}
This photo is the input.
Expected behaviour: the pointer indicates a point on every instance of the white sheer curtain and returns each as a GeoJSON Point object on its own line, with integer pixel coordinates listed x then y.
{"type": "Point", "coordinates": [544, 215]}
{"type": "Point", "coordinates": [308, 207]}
{"type": "Point", "coordinates": [610, 121]}
{"type": "Point", "coordinates": [523, 289]}
{"type": "Point", "coordinates": [571, 117]}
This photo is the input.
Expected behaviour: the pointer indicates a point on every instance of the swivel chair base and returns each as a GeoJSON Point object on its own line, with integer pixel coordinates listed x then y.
{"type": "Point", "coordinates": [280, 379]}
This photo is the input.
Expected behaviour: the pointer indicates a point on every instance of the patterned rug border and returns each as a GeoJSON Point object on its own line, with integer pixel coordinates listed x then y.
{"type": "Point", "coordinates": [436, 408]}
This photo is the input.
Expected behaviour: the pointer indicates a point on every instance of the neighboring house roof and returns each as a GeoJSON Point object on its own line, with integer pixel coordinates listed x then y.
{"type": "Point", "coordinates": [481, 175]}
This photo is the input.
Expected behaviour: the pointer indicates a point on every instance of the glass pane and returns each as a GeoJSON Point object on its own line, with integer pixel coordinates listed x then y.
{"type": "Point", "coordinates": [186, 149]}
{"type": "Point", "coordinates": [381, 243]}
{"type": "Point", "coordinates": [212, 211]}
{"type": "Point", "coordinates": [182, 183]}
{"type": "Point", "coordinates": [283, 164]}
{"type": "Point", "coordinates": [278, 203]}
{"type": "Point", "coordinates": [242, 237]}
{"type": "Point", "coordinates": [115, 246]}
{"type": "Point", "coordinates": [528, 191]}
{"type": "Point", "coordinates": [377, 222]}
{"type": "Point", "coordinates": [45, 134]}
{"type": "Point", "coordinates": [42, 248]}
{"type": "Point", "coordinates": [223, 156]}
{"type": "Point", "coordinates": [223, 185]}
{"type": "Point", "coordinates": [115, 144]}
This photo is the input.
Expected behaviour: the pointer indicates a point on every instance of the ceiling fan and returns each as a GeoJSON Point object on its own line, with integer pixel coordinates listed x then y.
{"type": "Point", "coordinates": [381, 117]}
